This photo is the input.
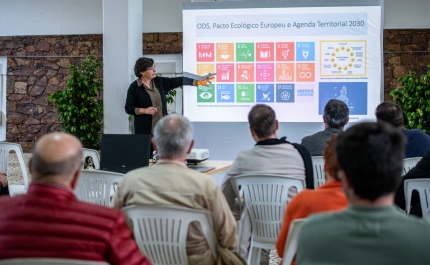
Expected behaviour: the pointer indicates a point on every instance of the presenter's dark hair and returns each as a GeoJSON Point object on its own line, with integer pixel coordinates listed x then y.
{"type": "Point", "coordinates": [142, 64]}
{"type": "Point", "coordinates": [371, 155]}
{"type": "Point", "coordinates": [262, 120]}
{"type": "Point", "coordinates": [391, 113]}
{"type": "Point", "coordinates": [336, 114]}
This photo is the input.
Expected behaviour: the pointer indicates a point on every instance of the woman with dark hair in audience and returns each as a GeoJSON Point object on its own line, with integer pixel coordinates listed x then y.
{"type": "Point", "coordinates": [328, 197]}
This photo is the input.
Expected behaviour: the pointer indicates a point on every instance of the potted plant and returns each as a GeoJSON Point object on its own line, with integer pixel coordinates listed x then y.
{"type": "Point", "coordinates": [79, 107]}
{"type": "Point", "coordinates": [414, 98]}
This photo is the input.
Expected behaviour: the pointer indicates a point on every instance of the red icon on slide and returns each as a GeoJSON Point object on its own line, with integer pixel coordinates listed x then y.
{"type": "Point", "coordinates": [205, 52]}
{"type": "Point", "coordinates": [265, 51]}
{"type": "Point", "coordinates": [225, 72]}
{"type": "Point", "coordinates": [285, 51]}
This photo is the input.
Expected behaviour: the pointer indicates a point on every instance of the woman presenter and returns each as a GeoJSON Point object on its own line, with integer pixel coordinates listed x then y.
{"type": "Point", "coordinates": [146, 97]}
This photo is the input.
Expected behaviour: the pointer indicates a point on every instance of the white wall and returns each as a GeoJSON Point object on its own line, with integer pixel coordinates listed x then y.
{"type": "Point", "coordinates": [406, 14]}
{"type": "Point", "coordinates": [53, 17]}
{"type": "Point", "coordinates": [50, 17]}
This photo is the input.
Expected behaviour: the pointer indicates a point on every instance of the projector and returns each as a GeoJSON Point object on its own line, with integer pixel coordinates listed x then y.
{"type": "Point", "coordinates": [197, 155]}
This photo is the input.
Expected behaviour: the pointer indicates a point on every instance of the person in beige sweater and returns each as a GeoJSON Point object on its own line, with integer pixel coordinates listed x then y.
{"type": "Point", "coordinates": [170, 182]}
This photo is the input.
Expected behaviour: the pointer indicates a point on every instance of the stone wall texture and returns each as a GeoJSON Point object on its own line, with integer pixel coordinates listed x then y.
{"type": "Point", "coordinates": [404, 51]}
{"type": "Point", "coordinates": [37, 67]}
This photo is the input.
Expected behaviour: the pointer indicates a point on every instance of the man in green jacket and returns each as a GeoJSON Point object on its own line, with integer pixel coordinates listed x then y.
{"type": "Point", "coordinates": [371, 230]}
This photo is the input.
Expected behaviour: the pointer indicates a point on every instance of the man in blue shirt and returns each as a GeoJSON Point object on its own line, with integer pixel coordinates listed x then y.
{"type": "Point", "coordinates": [418, 142]}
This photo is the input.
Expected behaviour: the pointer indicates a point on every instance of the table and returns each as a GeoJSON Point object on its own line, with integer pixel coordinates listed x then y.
{"type": "Point", "coordinates": [220, 168]}
{"type": "Point", "coordinates": [219, 165]}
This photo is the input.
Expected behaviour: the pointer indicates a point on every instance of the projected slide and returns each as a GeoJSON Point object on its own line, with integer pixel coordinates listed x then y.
{"type": "Point", "coordinates": [293, 59]}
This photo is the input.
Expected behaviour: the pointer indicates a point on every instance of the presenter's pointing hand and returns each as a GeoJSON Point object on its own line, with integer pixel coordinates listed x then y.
{"type": "Point", "coordinates": [206, 82]}
{"type": "Point", "coordinates": [150, 110]}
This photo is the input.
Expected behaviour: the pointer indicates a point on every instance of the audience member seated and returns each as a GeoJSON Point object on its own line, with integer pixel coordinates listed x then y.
{"type": "Point", "coordinates": [371, 230]}
{"type": "Point", "coordinates": [270, 155]}
{"type": "Point", "coordinates": [418, 142]}
{"type": "Point", "coordinates": [420, 171]}
{"type": "Point", "coordinates": [335, 117]}
{"type": "Point", "coordinates": [48, 221]}
{"type": "Point", "coordinates": [170, 182]}
{"type": "Point", "coordinates": [328, 197]}
{"type": "Point", "coordinates": [4, 188]}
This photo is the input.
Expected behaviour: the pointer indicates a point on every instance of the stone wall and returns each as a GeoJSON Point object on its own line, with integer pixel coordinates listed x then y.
{"type": "Point", "coordinates": [162, 43]}
{"type": "Point", "coordinates": [37, 67]}
{"type": "Point", "coordinates": [404, 51]}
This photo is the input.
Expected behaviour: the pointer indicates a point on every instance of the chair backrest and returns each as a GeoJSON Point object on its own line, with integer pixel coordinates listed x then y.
{"type": "Point", "coordinates": [423, 188]}
{"type": "Point", "coordinates": [52, 261]}
{"type": "Point", "coordinates": [93, 154]}
{"type": "Point", "coordinates": [161, 231]}
{"type": "Point", "coordinates": [290, 248]}
{"type": "Point", "coordinates": [5, 148]}
{"type": "Point", "coordinates": [318, 166]}
{"type": "Point", "coordinates": [409, 163]}
{"type": "Point", "coordinates": [266, 199]}
{"type": "Point", "coordinates": [96, 186]}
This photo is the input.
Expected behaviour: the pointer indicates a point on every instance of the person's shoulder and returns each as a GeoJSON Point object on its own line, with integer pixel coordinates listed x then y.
{"type": "Point", "coordinates": [321, 221]}
{"type": "Point", "coordinates": [134, 84]}
{"type": "Point", "coordinates": [246, 153]}
{"type": "Point", "coordinates": [302, 199]}
{"type": "Point", "coordinates": [6, 201]}
{"type": "Point", "coordinates": [96, 211]}
{"type": "Point", "coordinates": [312, 136]}
{"type": "Point", "coordinates": [416, 132]}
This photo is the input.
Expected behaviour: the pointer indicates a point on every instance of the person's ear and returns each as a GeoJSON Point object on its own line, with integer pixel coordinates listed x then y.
{"type": "Point", "coordinates": [191, 147]}
{"type": "Point", "coordinates": [277, 125]}
{"type": "Point", "coordinates": [75, 179]}
{"type": "Point", "coordinates": [154, 145]}
{"type": "Point", "coordinates": [252, 131]}
{"type": "Point", "coordinates": [346, 183]}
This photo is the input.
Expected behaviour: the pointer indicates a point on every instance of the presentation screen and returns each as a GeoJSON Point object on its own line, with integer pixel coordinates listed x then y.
{"type": "Point", "coordinates": [294, 59]}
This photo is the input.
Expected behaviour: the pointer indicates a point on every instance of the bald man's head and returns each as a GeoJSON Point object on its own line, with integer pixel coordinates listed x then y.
{"type": "Point", "coordinates": [56, 155]}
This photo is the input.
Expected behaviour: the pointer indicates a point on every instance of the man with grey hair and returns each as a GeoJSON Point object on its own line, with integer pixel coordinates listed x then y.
{"type": "Point", "coordinates": [335, 117]}
{"type": "Point", "coordinates": [170, 182]}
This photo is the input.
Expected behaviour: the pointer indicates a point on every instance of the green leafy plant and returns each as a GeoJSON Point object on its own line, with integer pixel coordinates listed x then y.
{"type": "Point", "coordinates": [170, 96]}
{"type": "Point", "coordinates": [414, 98]}
{"type": "Point", "coordinates": [78, 107]}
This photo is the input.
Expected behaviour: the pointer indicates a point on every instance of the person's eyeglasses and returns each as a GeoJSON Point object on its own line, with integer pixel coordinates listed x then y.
{"type": "Point", "coordinates": [152, 68]}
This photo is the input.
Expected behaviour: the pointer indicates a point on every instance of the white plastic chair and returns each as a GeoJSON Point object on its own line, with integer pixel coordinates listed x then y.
{"type": "Point", "coordinates": [265, 199]}
{"type": "Point", "coordinates": [5, 148]}
{"type": "Point", "coordinates": [318, 167]}
{"type": "Point", "coordinates": [423, 188]}
{"type": "Point", "coordinates": [52, 261]}
{"type": "Point", "coordinates": [97, 186]}
{"type": "Point", "coordinates": [290, 248]}
{"type": "Point", "coordinates": [161, 231]}
{"type": "Point", "coordinates": [93, 154]}
{"type": "Point", "coordinates": [409, 163]}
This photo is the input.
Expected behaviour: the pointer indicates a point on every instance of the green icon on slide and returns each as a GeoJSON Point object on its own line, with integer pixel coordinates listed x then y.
{"type": "Point", "coordinates": [245, 52]}
{"type": "Point", "coordinates": [245, 93]}
{"type": "Point", "coordinates": [206, 94]}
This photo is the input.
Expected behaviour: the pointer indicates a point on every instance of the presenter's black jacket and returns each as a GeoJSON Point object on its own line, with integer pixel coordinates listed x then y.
{"type": "Point", "coordinates": [420, 171]}
{"type": "Point", "coordinates": [137, 97]}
